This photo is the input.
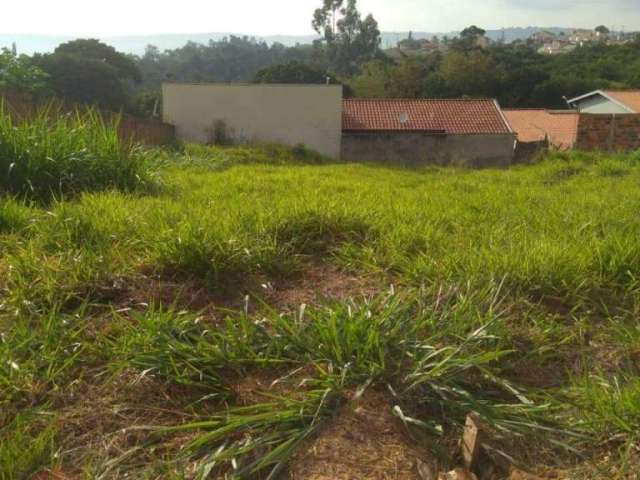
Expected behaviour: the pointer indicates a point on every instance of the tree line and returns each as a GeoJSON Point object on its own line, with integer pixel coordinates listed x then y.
{"type": "Point", "coordinates": [348, 52]}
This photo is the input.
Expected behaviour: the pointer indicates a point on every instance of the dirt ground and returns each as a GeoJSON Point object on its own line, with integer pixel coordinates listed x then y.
{"type": "Point", "coordinates": [364, 441]}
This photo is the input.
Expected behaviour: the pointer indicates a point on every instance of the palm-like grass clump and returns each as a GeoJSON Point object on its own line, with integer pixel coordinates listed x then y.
{"type": "Point", "coordinates": [54, 154]}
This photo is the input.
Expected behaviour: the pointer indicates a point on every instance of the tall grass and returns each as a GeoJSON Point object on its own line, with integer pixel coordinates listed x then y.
{"type": "Point", "coordinates": [54, 153]}
{"type": "Point", "coordinates": [27, 446]}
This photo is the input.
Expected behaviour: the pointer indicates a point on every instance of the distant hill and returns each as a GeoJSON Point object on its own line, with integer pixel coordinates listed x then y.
{"type": "Point", "coordinates": [29, 44]}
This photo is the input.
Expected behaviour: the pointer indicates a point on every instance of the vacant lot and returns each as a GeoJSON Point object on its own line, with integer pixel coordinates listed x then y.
{"type": "Point", "coordinates": [256, 315]}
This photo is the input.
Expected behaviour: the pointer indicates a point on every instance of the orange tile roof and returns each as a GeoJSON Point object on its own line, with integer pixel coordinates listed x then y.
{"type": "Point", "coordinates": [630, 98]}
{"type": "Point", "coordinates": [455, 117]}
{"type": "Point", "coordinates": [533, 125]}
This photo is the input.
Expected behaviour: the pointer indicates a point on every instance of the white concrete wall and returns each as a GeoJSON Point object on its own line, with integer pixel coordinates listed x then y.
{"type": "Point", "coordinates": [286, 114]}
{"type": "Point", "coordinates": [600, 105]}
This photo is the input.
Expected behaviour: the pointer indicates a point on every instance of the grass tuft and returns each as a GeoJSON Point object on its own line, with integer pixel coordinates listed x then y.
{"type": "Point", "coordinates": [56, 154]}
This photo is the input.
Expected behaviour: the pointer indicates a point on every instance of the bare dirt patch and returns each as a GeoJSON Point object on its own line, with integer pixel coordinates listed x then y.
{"type": "Point", "coordinates": [365, 441]}
{"type": "Point", "coordinates": [136, 291]}
{"type": "Point", "coordinates": [106, 422]}
{"type": "Point", "coordinates": [319, 283]}
{"type": "Point", "coordinates": [316, 283]}
{"type": "Point", "coordinates": [261, 385]}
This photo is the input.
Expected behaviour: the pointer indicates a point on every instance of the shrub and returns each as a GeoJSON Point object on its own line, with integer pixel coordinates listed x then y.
{"type": "Point", "coordinates": [57, 154]}
{"type": "Point", "coordinates": [220, 134]}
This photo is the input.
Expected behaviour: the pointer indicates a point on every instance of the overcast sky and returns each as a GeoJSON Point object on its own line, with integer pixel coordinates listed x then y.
{"type": "Point", "coordinates": [289, 17]}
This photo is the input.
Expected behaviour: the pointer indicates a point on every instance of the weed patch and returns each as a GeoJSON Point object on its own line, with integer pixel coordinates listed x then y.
{"type": "Point", "coordinates": [27, 445]}
{"type": "Point", "coordinates": [56, 155]}
{"type": "Point", "coordinates": [314, 233]}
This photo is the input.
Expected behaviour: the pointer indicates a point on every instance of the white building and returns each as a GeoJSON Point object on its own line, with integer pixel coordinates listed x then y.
{"type": "Point", "coordinates": [608, 102]}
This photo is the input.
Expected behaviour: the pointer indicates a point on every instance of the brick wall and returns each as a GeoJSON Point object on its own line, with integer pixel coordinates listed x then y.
{"type": "Point", "coordinates": [19, 105]}
{"type": "Point", "coordinates": [610, 133]}
{"type": "Point", "coordinates": [147, 130]}
{"type": "Point", "coordinates": [144, 130]}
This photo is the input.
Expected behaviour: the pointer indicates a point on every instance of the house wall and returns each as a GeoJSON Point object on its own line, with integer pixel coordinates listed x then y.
{"type": "Point", "coordinates": [600, 105]}
{"type": "Point", "coordinates": [427, 149]}
{"type": "Point", "coordinates": [611, 133]}
{"type": "Point", "coordinates": [287, 114]}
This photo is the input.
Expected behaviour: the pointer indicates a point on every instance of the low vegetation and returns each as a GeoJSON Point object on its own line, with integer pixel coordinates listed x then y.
{"type": "Point", "coordinates": [175, 335]}
{"type": "Point", "coordinates": [55, 154]}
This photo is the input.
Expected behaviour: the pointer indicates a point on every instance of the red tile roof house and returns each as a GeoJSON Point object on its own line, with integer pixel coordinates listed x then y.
{"type": "Point", "coordinates": [559, 127]}
{"type": "Point", "coordinates": [425, 131]}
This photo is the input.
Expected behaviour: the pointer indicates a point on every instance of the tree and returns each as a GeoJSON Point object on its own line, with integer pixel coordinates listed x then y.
{"type": "Point", "coordinates": [325, 18]}
{"type": "Point", "coordinates": [19, 73]}
{"type": "Point", "coordinates": [88, 71]}
{"type": "Point", "coordinates": [469, 38]}
{"type": "Point", "coordinates": [551, 92]}
{"type": "Point", "coordinates": [86, 81]}
{"type": "Point", "coordinates": [410, 43]}
{"type": "Point", "coordinates": [293, 72]}
{"type": "Point", "coordinates": [232, 59]}
{"type": "Point", "coordinates": [602, 30]}
{"type": "Point", "coordinates": [373, 81]}
{"type": "Point", "coordinates": [466, 74]}
{"type": "Point", "coordinates": [472, 32]}
{"type": "Point", "coordinates": [349, 40]}
{"type": "Point", "coordinates": [91, 49]}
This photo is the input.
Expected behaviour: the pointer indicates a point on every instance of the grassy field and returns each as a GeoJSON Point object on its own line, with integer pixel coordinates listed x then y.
{"type": "Point", "coordinates": [262, 313]}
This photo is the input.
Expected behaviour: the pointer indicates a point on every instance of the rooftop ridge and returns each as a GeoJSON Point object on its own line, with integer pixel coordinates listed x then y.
{"type": "Point", "coordinates": [407, 99]}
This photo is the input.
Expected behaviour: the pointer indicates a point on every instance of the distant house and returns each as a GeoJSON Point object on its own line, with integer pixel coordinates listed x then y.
{"type": "Point", "coordinates": [543, 37]}
{"type": "Point", "coordinates": [558, 127]}
{"type": "Point", "coordinates": [556, 47]}
{"type": "Point", "coordinates": [582, 36]}
{"type": "Point", "coordinates": [426, 131]}
{"type": "Point", "coordinates": [608, 102]}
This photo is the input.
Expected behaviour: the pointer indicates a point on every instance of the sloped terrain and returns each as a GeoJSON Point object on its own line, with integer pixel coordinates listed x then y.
{"type": "Point", "coordinates": [258, 318]}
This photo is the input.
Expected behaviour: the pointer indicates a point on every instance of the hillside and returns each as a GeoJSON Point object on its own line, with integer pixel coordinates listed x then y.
{"type": "Point", "coordinates": [30, 44]}
{"type": "Point", "coordinates": [254, 312]}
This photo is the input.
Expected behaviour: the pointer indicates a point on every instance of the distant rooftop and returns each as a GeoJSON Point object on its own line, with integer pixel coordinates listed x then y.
{"type": "Point", "coordinates": [455, 117]}
{"type": "Point", "coordinates": [534, 125]}
{"type": "Point", "coordinates": [630, 99]}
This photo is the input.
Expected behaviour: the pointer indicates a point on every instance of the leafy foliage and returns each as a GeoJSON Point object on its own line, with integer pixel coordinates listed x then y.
{"type": "Point", "coordinates": [88, 71]}
{"type": "Point", "coordinates": [516, 74]}
{"type": "Point", "coordinates": [349, 40]}
{"type": "Point", "coordinates": [293, 72]}
{"type": "Point", "coordinates": [232, 59]}
{"type": "Point", "coordinates": [19, 73]}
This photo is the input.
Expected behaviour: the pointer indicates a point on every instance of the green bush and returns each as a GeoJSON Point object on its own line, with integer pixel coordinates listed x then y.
{"type": "Point", "coordinates": [57, 154]}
